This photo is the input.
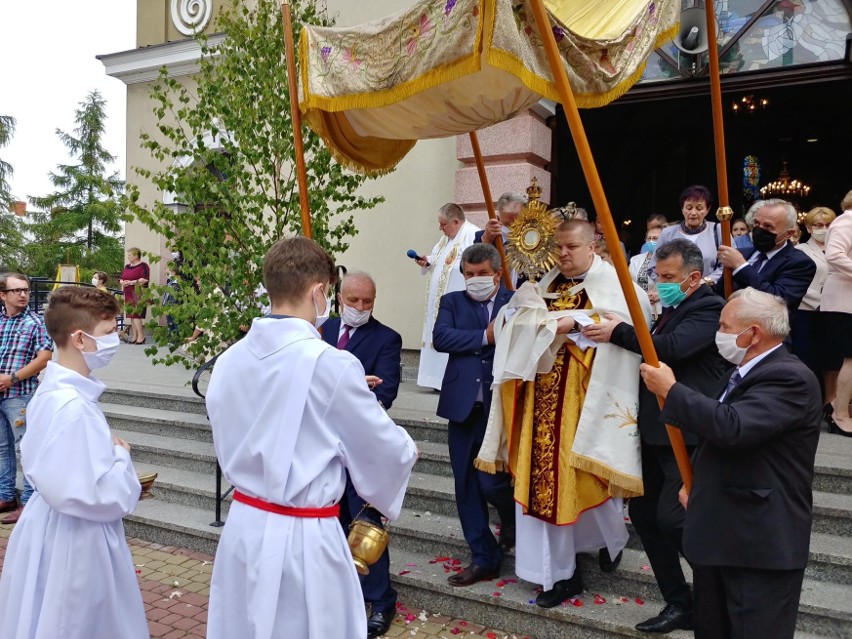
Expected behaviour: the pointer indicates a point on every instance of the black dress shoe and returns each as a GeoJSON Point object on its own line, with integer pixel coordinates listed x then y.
{"type": "Point", "coordinates": [378, 624]}
{"type": "Point", "coordinates": [672, 617]}
{"type": "Point", "coordinates": [561, 591]}
{"type": "Point", "coordinates": [606, 563]}
{"type": "Point", "coordinates": [6, 506]}
{"type": "Point", "coordinates": [471, 575]}
{"type": "Point", "coordinates": [507, 539]}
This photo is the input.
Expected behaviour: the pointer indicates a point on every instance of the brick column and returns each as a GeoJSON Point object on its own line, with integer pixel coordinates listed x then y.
{"type": "Point", "coordinates": [514, 151]}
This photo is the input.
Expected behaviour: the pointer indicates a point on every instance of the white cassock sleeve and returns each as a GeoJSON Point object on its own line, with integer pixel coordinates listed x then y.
{"type": "Point", "coordinates": [79, 471]}
{"type": "Point", "coordinates": [378, 454]}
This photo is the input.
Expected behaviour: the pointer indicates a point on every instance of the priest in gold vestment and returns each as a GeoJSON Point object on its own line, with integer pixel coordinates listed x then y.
{"type": "Point", "coordinates": [566, 425]}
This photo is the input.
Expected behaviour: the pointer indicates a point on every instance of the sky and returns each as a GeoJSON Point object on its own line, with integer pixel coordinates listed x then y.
{"type": "Point", "coordinates": [47, 67]}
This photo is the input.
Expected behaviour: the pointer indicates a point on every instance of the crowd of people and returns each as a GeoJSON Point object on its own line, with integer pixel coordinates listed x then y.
{"type": "Point", "coordinates": [553, 420]}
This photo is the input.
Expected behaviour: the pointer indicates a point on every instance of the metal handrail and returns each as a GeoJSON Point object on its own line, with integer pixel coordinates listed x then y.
{"type": "Point", "coordinates": [220, 496]}
{"type": "Point", "coordinates": [41, 288]}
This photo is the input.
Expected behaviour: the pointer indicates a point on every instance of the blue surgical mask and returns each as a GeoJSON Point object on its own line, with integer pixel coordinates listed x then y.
{"type": "Point", "coordinates": [649, 247]}
{"type": "Point", "coordinates": [670, 292]}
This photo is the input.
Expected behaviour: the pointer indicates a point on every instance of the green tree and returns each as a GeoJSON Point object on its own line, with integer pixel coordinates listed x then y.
{"type": "Point", "coordinates": [11, 241]}
{"type": "Point", "coordinates": [7, 130]}
{"type": "Point", "coordinates": [225, 143]}
{"type": "Point", "coordinates": [80, 222]}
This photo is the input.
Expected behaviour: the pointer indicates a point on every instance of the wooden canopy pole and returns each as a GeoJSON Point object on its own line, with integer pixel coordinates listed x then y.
{"type": "Point", "coordinates": [489, 203]}
{"type": "Point", "coordinates": [724, 213]}
{"type": "Point", "coordinates": [593, 181]}
{"type": "Point", "coordinates": [296, 116]}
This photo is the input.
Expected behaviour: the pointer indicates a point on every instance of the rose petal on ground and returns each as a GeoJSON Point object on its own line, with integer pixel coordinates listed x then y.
{"type": "Point", "coordinates": [599, 600]}
{"type": "Point", "coordinates": [404, 572]}
{"type": "Point", "coordinates": [639, 601]}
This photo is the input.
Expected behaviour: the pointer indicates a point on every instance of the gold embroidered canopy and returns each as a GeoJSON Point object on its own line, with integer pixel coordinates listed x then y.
{"type": "Point", "coordinates": [445, 67]}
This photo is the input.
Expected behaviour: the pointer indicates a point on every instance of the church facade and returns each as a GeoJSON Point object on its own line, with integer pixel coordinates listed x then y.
{"type": "Point", "coordinates": [646, 142]}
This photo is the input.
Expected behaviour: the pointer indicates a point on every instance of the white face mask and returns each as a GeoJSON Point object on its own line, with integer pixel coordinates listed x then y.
{"type": "Point", "coordinates": [321, 317]}
{"type": "Point", "coordinates": [107, 347]}
{"type": "Point", "coordinates": [480, 288]}
{"type": "Point", "coordinates": [353, 317]}
{"type": "Point", "coordinates": [727, 345]}
{"type": "Point", "coordinates": [819, 234]}
{"type": "Point", "coordinates": [95, 281]}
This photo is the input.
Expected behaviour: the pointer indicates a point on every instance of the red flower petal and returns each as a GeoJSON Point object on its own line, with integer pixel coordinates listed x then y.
{"type": "Point", "coordinates": [599, 600]}
{"type": "Point", "coordinates": [639, 601]}
{"type": "Point", "coordinates": [496, 594]}
{"type": "Point", "coordinates": [577, 602]}
{"type": "Point", "coordinates": [404, 572]}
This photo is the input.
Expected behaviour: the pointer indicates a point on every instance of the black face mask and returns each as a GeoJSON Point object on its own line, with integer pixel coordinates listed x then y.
{"type": "Point", "coordinates": [763, 240]}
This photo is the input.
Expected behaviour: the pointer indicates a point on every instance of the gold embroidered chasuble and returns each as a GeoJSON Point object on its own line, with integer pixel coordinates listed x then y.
{"type": "Point", "coordinates": [541, 420]}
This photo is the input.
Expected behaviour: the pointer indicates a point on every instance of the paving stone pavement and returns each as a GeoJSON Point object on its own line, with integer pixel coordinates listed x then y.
{"type": "Point", "coordinates": [175, 585]}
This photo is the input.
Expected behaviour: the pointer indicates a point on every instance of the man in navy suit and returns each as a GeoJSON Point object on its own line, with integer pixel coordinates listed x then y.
{"type": "Point", "coordinates": [508, 208]}
{"type": "Point", "coordinates": [748, 517]}
{"type": "Point", "coordinates": [379, 350]}
{"type": "Point", "coordinates": [465, 329]}
{"type": "Point", "coordinates": [775, 266]}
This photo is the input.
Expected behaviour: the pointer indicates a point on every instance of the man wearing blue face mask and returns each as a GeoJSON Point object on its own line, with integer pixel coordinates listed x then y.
{"type": "Point", "coordinates": [684, 336]}
{"type": "Point", "coordinates": [465, 330]}
{"type": "Point", "coordinates": [379, 349]}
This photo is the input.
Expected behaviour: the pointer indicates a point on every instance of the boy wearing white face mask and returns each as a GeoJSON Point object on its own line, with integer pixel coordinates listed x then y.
{"type": "Point", "coordinates": [71, 531]}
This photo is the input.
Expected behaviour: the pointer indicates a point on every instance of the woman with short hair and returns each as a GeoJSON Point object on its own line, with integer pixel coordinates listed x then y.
{"type": "Point", "coordinates": [810, 340]}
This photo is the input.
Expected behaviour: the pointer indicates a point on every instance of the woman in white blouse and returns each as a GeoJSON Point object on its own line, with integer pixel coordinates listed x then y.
{"type": "Point", "coordinates": [694, 205]}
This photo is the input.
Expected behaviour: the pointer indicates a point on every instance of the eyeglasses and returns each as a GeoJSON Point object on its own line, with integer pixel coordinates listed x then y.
{"type": "Point", "coordinates": [18, 291]}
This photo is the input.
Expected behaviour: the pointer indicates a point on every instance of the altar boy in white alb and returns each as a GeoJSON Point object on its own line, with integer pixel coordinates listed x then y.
{"type": "Point", "coordinates": [68, 572]}
{"type": "Point", "coordinates": [290, 415]}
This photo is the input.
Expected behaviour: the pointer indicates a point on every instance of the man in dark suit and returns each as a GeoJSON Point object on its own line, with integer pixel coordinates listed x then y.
{"type": "Point", "coordinates": [748, 517]}
{"type": "Point", "coordinates": [684, 337]}
{"type": "Point", "coordinates": [508, 208]}
{"type": "Point", "coordinates": [465, 329]}
{"type": "Point", "coordinates": [379, 350]}
{"type": "Point", "coordinates": [775, 266]}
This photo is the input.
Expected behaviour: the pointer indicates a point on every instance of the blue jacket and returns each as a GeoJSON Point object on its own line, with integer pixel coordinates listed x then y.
{"type": "Point", "coordinates": [458, 331]}
{"type": "Point", "coordinates": [378, 348]}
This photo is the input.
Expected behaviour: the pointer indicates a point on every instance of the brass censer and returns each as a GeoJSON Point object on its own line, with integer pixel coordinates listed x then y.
{"type": "Point", "coordinates": [367, 542]}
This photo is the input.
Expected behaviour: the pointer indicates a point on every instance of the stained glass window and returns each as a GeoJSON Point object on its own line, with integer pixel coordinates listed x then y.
{"type": "Point", "coordinates": [786, 33]}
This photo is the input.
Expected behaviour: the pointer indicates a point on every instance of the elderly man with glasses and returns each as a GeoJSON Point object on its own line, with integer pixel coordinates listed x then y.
{"type": "Point", "coordinates": [25, 349]}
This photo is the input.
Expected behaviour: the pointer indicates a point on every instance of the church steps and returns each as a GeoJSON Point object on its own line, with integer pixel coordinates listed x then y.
{"type": "Point", "coordinates": [415, 531]}
{"type": "Point", "coordinates": [180, 400]}
{"type": "Point", "coordinates": [157, 421]}
{"type": "Point", "coordinates": [184, 507]}
{"type": "Point", "coordinates": [173, 524]}
{"type": "Point", "coordinates": [174, 452]}
{"type": "Point", "coordinates": [423, 584]}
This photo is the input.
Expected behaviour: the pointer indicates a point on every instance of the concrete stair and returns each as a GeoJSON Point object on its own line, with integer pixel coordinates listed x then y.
{"type": "Point", "coordinates": [170, 435]}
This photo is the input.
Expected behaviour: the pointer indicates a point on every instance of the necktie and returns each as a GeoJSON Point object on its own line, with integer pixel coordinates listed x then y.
{"type": "Point", "coordinates": [664, 317]}
{"type": "Point", "coordinates": [344, 339]}
{"type": "Point", "coordinates": [760, 261]}
{"type": "Point", "coordinates": [736, 378]}
{"type": "Point", "coordinates": [485, 313]}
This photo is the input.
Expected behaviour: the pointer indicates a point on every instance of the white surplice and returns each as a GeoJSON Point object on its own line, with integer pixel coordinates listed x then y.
{"type": "Point", "coordinates": [290, 414]}
{"type": "Point", "coordinates": [68, 572]}
{"type": "Point", "coordinates": [444, 277]}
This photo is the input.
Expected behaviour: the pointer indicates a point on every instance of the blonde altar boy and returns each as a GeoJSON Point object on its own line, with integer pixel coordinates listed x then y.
{"type": "Point", "coordinates": [68, 572]}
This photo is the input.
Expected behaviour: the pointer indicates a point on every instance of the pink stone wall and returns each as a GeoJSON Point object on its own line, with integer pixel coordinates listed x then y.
{"type": "Point", "coordinates": [514, 152]}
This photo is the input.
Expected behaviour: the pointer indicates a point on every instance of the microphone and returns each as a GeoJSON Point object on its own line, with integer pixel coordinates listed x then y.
{"type": "Point", "coordinates": [413, 254]}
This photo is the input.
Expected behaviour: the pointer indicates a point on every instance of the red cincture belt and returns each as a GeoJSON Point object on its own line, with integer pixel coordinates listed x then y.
{"type": "Point", "coordinates": [292, 511]}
